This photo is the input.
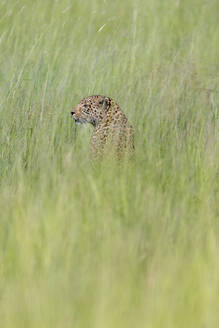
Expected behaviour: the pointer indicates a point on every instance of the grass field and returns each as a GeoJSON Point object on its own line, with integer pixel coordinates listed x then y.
{"type": "Point", "coordinates": [108, 246]}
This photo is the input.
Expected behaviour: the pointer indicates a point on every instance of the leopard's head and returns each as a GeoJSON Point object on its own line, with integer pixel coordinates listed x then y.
{"type": "Point", "coordinates": [91, 110]}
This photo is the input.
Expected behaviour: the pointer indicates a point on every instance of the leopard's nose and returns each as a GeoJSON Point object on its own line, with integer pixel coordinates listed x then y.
{"type": "Point", "coordinates": [72, 113]}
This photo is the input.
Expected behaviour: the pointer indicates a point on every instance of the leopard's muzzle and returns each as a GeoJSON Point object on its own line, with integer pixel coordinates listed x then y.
{"type": "Point", "coordinates": [78, 120]}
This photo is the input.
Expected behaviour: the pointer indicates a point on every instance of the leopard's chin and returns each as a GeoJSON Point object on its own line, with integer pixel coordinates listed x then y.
{"type": "Point", "coordinates": [80, 121]}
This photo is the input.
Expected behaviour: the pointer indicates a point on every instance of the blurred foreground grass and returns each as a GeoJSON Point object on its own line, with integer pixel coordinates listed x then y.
{"type": "Point", "coordinates": [108, 246]}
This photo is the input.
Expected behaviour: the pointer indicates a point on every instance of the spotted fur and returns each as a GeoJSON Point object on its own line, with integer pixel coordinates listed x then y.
{"type": "Point", "coordinates": [112, 131]}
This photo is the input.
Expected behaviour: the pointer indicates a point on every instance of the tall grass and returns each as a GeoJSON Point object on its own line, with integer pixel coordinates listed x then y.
{"type": "Point", "coordinates": [109, 246]}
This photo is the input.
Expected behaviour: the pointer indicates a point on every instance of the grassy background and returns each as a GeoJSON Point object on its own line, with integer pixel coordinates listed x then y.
{"type": "Point", "coordinates": [109, 247]}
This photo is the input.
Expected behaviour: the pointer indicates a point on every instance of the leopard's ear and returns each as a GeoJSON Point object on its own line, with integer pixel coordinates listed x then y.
{"type": "Point", "coordinates": [106, 103]}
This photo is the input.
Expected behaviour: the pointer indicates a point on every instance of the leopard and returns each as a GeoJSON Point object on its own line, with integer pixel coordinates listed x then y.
{"type": "Point", "coordinates": [113, 134]}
